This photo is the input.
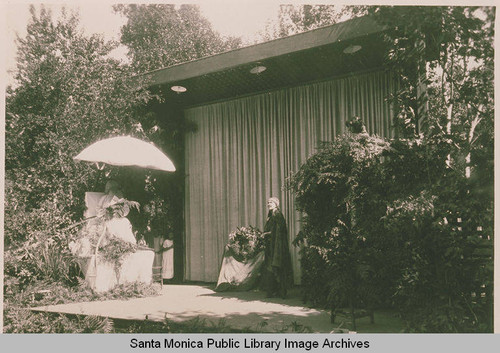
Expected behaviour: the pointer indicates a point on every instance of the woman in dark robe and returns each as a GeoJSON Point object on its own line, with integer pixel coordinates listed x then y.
{"type": "Point", "coordinates": [277, 260]}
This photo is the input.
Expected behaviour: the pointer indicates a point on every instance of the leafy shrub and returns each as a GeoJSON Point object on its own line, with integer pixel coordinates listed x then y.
{"type": "Point", "coordinates": [392, 224]}
{"type": "Point", "coordinates": [340, 191]}
{"type": "Point", "coordinates": [18, 319]}
{"type": "Point", "coordinates": [432, 224]}
{"type": "Point", "coordinates": [446, 283]}
{"type": "Point", "coordinates": [25, 321]}
{"type": "Point", "coordinates": [41, 258]}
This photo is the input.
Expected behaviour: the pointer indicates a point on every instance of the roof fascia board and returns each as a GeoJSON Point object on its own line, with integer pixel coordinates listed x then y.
{"type": "Point", "coordinates": [351, 29]}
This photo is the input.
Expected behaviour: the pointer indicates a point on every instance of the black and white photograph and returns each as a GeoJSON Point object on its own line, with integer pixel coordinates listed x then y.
{"type": "Point", "coordinates": [248, 167]}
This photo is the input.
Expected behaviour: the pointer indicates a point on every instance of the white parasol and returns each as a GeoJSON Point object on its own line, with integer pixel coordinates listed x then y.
{"type": "Point", "coordinates": [126, 151]}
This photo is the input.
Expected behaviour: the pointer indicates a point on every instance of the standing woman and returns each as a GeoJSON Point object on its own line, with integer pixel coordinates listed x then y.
{"type": "Point", "coordinates": [168, 258]}
{"type": "Point", "coordinates": [277, 261]}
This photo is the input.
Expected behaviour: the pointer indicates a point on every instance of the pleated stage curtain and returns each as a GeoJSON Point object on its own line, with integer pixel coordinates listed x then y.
{"type": "Point", "coordinates": [244, 149]}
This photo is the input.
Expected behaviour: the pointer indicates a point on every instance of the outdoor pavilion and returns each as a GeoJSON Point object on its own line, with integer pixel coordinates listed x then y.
{"type": "Point", "coordinates": [253, 129]}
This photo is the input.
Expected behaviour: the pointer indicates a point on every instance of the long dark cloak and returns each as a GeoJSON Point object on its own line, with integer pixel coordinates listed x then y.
{"type": "Point", "coordinates": [277, 252]}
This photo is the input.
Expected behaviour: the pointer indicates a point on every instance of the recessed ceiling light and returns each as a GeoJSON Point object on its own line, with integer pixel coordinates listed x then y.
{"type": "Point", "coordinates": [258, 69]}
{"type": "Point", "coordinates": [178, 89]}
{"type": "Point", "coordinates": [351, 49]}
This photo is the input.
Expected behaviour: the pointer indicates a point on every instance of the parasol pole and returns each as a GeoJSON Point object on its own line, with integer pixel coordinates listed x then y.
{"type": "Point", "coordinates": [93, 275]}
{"type": "Point", "coordinates": [76, 224]}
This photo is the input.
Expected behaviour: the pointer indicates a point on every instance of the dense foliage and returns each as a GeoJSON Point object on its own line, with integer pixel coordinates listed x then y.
{"type": "Point", "coordinates": [418, 222]}
{"type": "Point", "coordinates": [19, 319]}
{"type": "Point", "coordinates": [65, 87]}
{"type": "Point", "coordinates": [294, 19]}
{"type": "Point", "coordinates": [447, 286]}
{"type": "Point", "coordinates": [341, 193]}
{"type": "Point", "coordinates": [161, 35]}
{"type": "Point", "coordinates": [69, 93]}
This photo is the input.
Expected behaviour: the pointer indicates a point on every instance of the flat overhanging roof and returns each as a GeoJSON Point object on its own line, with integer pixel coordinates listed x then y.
{"type": "Point", "coordinates": [310, 56]}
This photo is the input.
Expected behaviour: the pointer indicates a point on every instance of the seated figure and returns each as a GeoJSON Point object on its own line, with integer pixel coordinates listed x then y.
{"type": "Point", "coordinates": [113, 208]}
{"type": "Point", "coordinates": [107, 220]}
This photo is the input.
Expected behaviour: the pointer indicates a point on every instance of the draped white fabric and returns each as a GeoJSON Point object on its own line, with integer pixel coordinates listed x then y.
{"type": "Point", "coordinates": [244, 149]}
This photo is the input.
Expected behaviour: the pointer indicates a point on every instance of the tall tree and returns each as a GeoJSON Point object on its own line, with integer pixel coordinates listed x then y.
{"type": "Point", "coordinates": [68, 93]}
{"type": "Point", "coordinates": [457, 46]}
{"type": "Point", "coordinates": [162, 35]}
{"type": "Point", "coordinates": [452, 260]}
{"type": "Point", "coordinates": [294, 19]}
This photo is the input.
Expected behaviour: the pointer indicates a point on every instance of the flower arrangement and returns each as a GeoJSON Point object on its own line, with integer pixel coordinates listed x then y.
{"type": "Point", "coordinates": [245, 243]}
{"type": "Point", "coordinates": [111, 248]}
{"type": "Point", "coordinates": [115, 250]}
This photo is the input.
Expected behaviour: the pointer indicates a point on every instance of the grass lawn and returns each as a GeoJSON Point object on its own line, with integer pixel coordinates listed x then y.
{"type": "Point", "coordinates": [385, 322]}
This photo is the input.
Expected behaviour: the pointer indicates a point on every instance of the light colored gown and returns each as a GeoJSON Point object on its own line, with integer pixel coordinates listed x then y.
{"type": "Point", "coordinates": [119, 227]}
{"type": "Point", "coordinates": [102, 275]}
{"type": "Point", "coordinates": [168, 259]}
